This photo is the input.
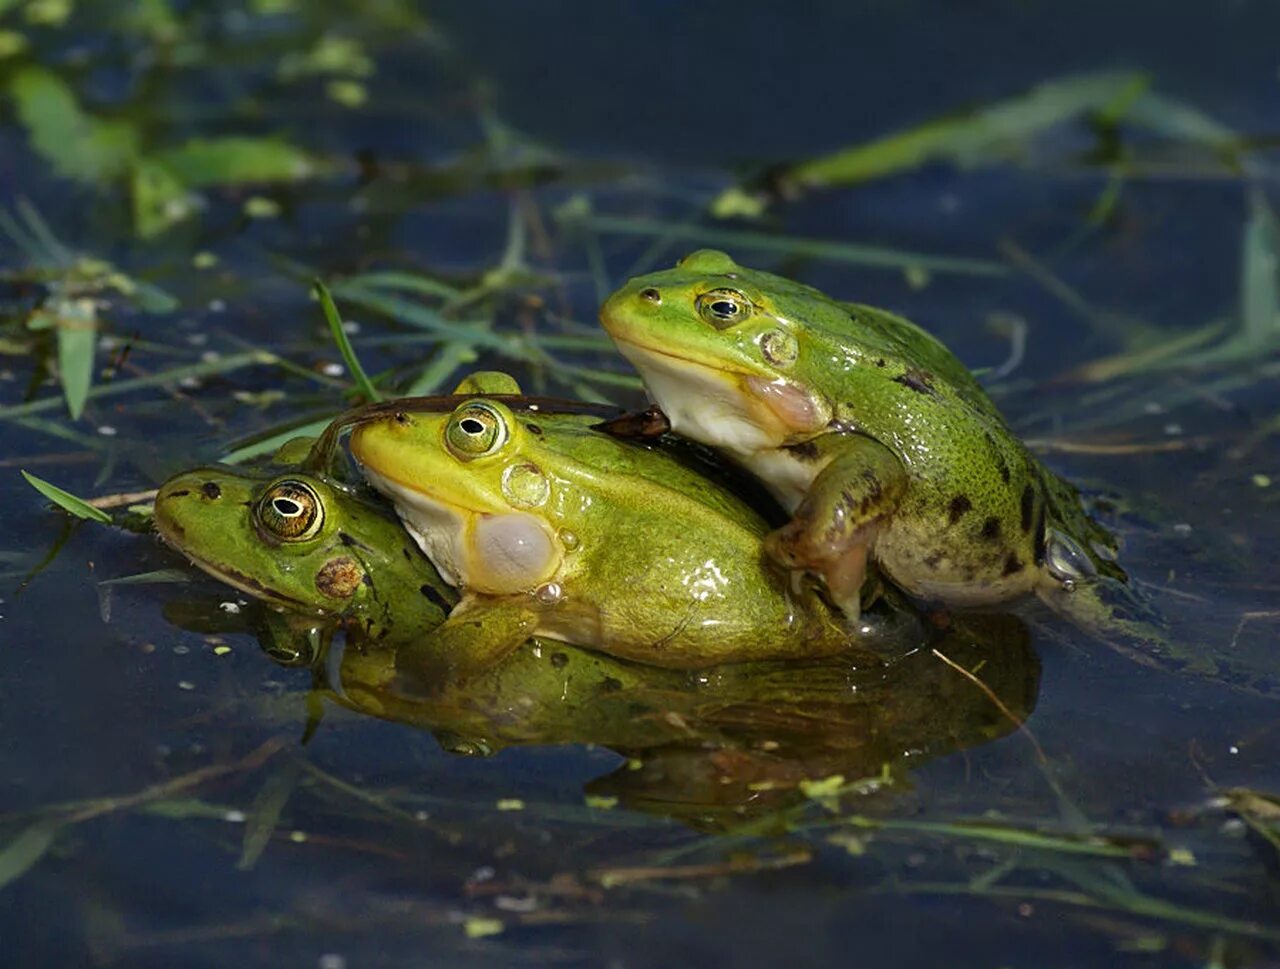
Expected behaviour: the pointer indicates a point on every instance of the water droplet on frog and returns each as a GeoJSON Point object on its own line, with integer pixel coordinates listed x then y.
{"type": "Point", "coordinates": [1066, 560]}
{"type": "Point", "coordinates": [568, 539]}
{"type": "Point", "coordinates": [549, 594]}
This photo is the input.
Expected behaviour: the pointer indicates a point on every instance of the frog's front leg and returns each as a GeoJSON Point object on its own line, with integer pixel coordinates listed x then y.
{"type": "Point", "coordinates": [470, 641]}
{"type": "Point", "coordinates": [832, 529]}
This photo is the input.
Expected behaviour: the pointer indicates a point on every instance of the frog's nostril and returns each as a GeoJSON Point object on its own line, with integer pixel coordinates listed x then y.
{"type": "Point", "coordinates": [651, 295]}
{"type": "Point", "coordinates": [211, 490]}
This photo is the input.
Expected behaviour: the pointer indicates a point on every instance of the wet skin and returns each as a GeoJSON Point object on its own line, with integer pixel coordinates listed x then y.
{"type": "Point", "coordinates": [880, 444]}
{"type": "Point", "coordinates": [306, 544]}
{"type": "Point", "coordinates": [547, 526]}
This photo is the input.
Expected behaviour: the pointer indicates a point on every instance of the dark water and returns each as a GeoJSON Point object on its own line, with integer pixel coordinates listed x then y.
{"type": "Point", "coordinates": [390, 850]}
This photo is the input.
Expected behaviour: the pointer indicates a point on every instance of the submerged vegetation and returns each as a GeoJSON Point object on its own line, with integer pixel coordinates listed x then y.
{"type": "Point", "coordinates": [183, 174]}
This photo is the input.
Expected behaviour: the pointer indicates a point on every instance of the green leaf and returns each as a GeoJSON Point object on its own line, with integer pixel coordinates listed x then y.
{"type": "Point", "coordinates": [76, 324]}
{"type": "Point", "coordinates": [998, 131]}
{"type": "Point", "coordinates": [160, 199]}
{"type": "Point", "coordinates": [67, 501]}
{"type": "Point", "coordinates": [362, 380]}
{"type": "Point", "coordinates": [78, 145]}
{"type": "Point", "coordinates": [1260, 276]}
{"type": "Point", "coordinates": [204, 162]}
{"type": "Point", "coordinates": [20, 854]}
{"type": "Point", "coordinates": [264, 814]}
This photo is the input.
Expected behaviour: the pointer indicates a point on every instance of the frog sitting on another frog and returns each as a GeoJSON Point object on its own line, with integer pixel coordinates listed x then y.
{"type": "Point", "coordinates": [877, 440]}
{"type": "Point", "coordinates": [550, 527]}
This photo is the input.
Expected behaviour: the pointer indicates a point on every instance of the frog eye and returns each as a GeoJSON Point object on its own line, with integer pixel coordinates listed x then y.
{"type": "Point", "coordinates": [290, 511]}
{"type": "Point", "coordinates": [475, 430]}
{"type": "Point", "coordinates": [723, 307]}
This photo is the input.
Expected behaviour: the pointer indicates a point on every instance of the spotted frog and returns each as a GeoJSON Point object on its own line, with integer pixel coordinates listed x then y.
{"type": "Point", "coordinates": [875, 438]}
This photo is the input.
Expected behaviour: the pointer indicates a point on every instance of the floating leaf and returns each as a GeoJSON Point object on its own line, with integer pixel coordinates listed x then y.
{"type": "Point", "coordinates": [995, 132]}
{"type": "Point", "coordinates": [67, 501]}
{"type": "Point", "coordinates": [20, 854]}
{"type": "Point", "coordinates": [78, 145]}
{"type": "Point", "coordinates": [160, 199]}
{"type": "Point", "coordinates": [478, 928]}
{"type": "Point", "coordinates": [205, 162]}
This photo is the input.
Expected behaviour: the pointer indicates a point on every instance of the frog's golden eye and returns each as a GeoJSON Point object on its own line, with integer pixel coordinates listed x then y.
{"type": "Point", "coordinates": [290, 511]}
{"type": "Point", "coordinates": [475, 429]}
{"type": "Point", "coordinates": [723, 307]}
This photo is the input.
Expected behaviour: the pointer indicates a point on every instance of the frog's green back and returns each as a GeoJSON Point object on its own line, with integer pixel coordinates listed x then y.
{"type": "Point", "coordinates": [655, 467]}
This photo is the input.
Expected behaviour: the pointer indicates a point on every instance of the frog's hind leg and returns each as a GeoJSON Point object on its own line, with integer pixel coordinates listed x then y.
{"type": "Point", "coordinates": [831, 531]}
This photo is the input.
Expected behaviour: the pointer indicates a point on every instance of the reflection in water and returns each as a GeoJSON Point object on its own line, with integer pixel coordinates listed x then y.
{"type": "Point", "coordinates": [710, 747]}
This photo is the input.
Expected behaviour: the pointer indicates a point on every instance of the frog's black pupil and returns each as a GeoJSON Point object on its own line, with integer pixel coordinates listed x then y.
{"type": "Point", "coordinates": [722, 307]}
{"type": "Point", "coordinates": [286, 507]}
{"type": "Point", "coordinates": [472, 426]}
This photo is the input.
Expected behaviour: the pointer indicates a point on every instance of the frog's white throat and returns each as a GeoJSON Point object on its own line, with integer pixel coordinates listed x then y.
{"type": "Point", "coordinates": [495, 554]}
{"type": "Point", "coordinates": [703, 403]}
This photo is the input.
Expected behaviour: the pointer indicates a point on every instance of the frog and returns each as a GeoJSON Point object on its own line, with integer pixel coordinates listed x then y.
{"type": "Point", "coordinates": [547, 526]}
{"type": "Point", "coordinates": [310, 545]}
{"type": "Point", "coordinates": [877, 441]}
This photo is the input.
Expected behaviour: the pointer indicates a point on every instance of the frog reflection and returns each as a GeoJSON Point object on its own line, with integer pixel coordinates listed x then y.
{"type": "Point", "coordinates": [711, 747]}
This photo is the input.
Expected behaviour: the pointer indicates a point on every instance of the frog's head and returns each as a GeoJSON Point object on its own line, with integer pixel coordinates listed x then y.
{"type": "Point", "coordinates": [471, 487]}
{"type": "Point", "coordinates": [720, 349]}
{"type": "Point", "coordinates": [303, 543]}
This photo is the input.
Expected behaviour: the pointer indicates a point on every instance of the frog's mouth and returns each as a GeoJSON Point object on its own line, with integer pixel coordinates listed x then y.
{"type": "Point", "coordinates": [721, 405]}
{"type": "Point", "coordinates": [172, 534]}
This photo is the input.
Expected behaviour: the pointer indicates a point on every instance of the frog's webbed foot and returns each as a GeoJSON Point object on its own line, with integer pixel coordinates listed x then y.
{"type": "Point", "coordinates": [473, 639]}
{"type": "Point", "coordinates": [831, 531]}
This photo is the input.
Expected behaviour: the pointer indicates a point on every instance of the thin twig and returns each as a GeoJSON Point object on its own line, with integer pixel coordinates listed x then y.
{"type": "Point", "coordinates": [1022, 727]}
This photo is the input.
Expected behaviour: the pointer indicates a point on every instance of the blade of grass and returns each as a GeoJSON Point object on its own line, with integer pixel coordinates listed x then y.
{"type": "Point", "coordinates": [264, 815]}
{"type": "Point", "coordinates": [271, 443]}
{"type": "Point", "coordinates": [173, 376]}
{"type": "Point", "coordinates": [67, 501]}
{"type": "Point", "coordinates": [846, 252]}
{"type": "Point", "coordinates": [997, 131]}
{"type": "Point", "coordinates": [76, 322]}
{"type": "Point", "coordinates": [344, 345]}
{"type": "Point", "coordinates": [1260, 276]}
{"type": "Point", "coordinates": [20, 854]}
{"type": "Point", "coordinates": [450, 358]}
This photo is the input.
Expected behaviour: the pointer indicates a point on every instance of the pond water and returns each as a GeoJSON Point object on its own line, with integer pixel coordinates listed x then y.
{"type": "Point", "coordinates": [1099, 196]}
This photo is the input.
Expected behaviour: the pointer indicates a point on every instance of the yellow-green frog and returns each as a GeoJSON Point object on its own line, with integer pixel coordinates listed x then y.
{"type": "Point", "coordinates": [878, 441]}
{"type": "Point", "coordinates": [549, 527]}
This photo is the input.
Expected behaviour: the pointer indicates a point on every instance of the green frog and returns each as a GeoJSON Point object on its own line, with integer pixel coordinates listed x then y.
{"type": "Point", "coordinates": [549, 527]}
{"type": "Point", "coordinates": [874, 437]}
{"type": "Point", "coordinates": [307, 544]}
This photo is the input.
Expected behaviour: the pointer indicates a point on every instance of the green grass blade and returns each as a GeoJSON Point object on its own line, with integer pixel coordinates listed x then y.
{"type": "Point", "coordinates": [264, 815]}
{"type": "Point", "coordinates": [1260, 276]}
{"type": "Point", "coordinates": [334, 319]}
{"type": "Point", "coordinates": [450, 358]}
{"type": "Point", "coordinates": [67, 501]}
{"type": "Point", "coordinates": [173, 376]}
{"type": "Point", "coordinates": [77, 329]}
{"type": "Point", "coordinates": [20, 854]}
{"type": "Point", "coordinates": [270, 444]}
{"type": "Point", "coordinates": [847, 252]}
